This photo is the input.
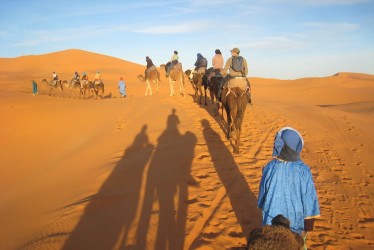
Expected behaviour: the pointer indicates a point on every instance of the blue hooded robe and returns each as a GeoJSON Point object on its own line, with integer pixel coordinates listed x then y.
{"type": "Point", "coordinates": [122, 87]}
{"type": "Point", "coordinates": [286, 185]}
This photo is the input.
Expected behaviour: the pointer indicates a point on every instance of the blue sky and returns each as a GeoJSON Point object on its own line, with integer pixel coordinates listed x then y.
{"type": "Point", "coordinates": [284, 39]}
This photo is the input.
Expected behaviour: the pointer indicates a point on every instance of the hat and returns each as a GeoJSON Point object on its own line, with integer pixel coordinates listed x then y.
{"type": "Point", "coordinates": [218, 51]}
{"type": "Point", "coordinates": [236, 50]}
{"type": "Point", "coordinates": [175, 52]}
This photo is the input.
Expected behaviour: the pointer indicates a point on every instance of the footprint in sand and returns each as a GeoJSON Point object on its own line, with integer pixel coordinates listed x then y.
{"type": "Point", "coordinates": [121, 123]}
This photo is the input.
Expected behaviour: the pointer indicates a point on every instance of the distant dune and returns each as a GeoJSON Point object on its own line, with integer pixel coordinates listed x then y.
{"type": "Point", "coordinates": [147, 172]}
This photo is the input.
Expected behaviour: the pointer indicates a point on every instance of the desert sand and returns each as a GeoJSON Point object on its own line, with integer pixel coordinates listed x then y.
{"type": "Point", "coordinates": [157, 172]}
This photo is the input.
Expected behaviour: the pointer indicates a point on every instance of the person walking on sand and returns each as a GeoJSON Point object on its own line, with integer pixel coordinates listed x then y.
{"type": "Point", "coordinates": [287, 186]}
{"type": "Point", "coordinates": [122, 87]}
{"type": "Point", "coordinates": [34, 88]}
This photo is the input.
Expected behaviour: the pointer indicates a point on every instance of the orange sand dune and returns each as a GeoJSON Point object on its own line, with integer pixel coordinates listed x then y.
{"type": "Point", "coordinates": [156, 172]}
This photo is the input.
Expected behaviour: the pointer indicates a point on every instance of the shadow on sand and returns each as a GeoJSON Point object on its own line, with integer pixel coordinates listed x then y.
{"type": "Point", "coordinates": [111, 218]}
{"type": "Point", "coordinates": [242, 199]}
{"type": "Point", "coordinates": [167, 182]}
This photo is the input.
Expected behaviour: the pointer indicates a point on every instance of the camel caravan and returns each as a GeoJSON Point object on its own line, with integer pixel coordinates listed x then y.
{"type": "Point", "coordinates": [83, 87]}
{"type": "Point", "coordinates": [228, 86]}
{"type": "Point", "coordinates": [232, 89]}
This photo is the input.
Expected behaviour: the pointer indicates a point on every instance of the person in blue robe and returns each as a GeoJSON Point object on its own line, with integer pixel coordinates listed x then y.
{"type": "Point", "coordinates": [122, 87]}
{"type": "Point", "coordinates": [287, 185]}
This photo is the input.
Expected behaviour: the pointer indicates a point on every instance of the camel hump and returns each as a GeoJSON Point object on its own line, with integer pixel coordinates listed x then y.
{"type": "Point", "coordinates": [178, 66]}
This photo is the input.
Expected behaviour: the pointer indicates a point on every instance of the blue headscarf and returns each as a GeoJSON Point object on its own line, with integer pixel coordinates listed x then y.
{"type": "Point", "coordinates": [290, 137]}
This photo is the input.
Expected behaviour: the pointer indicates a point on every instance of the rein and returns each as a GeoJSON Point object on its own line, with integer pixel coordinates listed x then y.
{"type": "Point", "coordinates": [230, 91]}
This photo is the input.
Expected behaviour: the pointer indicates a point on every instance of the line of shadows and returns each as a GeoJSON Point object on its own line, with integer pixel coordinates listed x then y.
{"type": "Point", "coordinates": [167, 181]}
{"type": "Point", "coordinates": [111, 213]}
{"type": "Point", "coordinates": [242, 199]}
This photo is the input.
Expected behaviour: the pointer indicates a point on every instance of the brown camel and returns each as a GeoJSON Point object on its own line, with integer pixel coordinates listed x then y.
{"type": "Point", "coordinates": [234, 101]}
{"type": "Point", "coordinates": [153, 76]}
{"type": "Point", "coordinates": [87, 88]}
{"type": "Point", "coordinates": [197, 84]}
{"type": "Point", "coordinates": [73, 86]}
{"type": "Point", "coordinates": [54, 85]}
{"type": "Point", "coordinates": [98, 88]}
{"type": "Point", "coordinates": [176, 74]}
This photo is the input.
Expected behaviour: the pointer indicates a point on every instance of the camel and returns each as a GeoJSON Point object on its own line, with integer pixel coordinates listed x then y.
{"type": "Point", "coordinates": [87, 88]}
{"type": "Point", "coordinates": [98, 87]}
{"type": "Point", "coordinates": [54, 85]}
{"type": "Point", "coordinates": [197, 84]}
{"type": "Point", "coordinates": [234, 100]}
{"type": "Point", "coordinates": [73, 86]}
{"type": "Point", "coordinates": [154, 76]}
{"type": "Point", "coordinates": [176, 74]}
{"type": "Point", "coordinates": [213, 85]}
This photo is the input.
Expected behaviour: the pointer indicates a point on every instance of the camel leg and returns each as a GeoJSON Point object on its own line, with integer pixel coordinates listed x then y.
{"type": "Point", "coordinates": [171, 87]}
{"type": "Point", "coordinates": [196, 93]}
{"type": "Point", "coordinates": [236, 150]}
{"type": "Point", "coordinates": [157, 90]}
{"type": "Point", "coordinates": [148, 89]}
{"type": "Point", "coordinates": [181, 88]}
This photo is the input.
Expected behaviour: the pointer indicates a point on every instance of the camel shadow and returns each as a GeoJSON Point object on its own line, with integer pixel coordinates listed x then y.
{"type": "Point", "coordinates": [242, 199]}
{"type": "Point", "coordinates": [111, 212]}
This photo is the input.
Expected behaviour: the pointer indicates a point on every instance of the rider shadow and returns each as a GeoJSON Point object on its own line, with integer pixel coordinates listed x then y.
{"type": "Point", "coordinates": [220, 118]}
{"type": "Point", "coordinates": [110, 212]}
{"type": "Point", "coordinates": [242, 199]}
{"type": "Point", "coordinates": [166, 189]}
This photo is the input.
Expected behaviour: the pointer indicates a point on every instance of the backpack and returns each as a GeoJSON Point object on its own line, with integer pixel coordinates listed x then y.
{"type": "Point", "coordinates": [204, 62]}
{"type": "Point", "coordinates": [237, 64]}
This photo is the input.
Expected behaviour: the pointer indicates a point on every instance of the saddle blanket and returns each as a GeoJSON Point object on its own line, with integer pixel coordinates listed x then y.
{"type": "Point", "coordinates": [151, 68]}
{"type": "Point", "coordinates": [238, 82]}
{"type": "Point", "coordinates": [201, 70]}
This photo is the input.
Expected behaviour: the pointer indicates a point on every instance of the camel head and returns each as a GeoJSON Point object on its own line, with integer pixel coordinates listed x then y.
{"type": "Point", "coordinates": [141, 78]}
{"type": "Point", "coordinates": [188, 72]}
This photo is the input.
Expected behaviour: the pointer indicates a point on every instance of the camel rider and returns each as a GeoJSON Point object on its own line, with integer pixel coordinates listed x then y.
{"type": "Point", "coordinates": [76, 76]}
{"type": "Point", "coordinates": [150, 67]}
{"type": "Point", "coordinates": [54, 78]}
{"type": "Point", "coordinates": [201, 62]}
{"type": "Point", "coordinates": [237, 66]}
{"type": "Point", "coordinates": [97, 78]}
{"type": "Point", "coordinates": [174, 60]}
{"type": "Point", "coordinates": [84, 79]}
{"type": "Point", "coordinates": [217, 61]}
